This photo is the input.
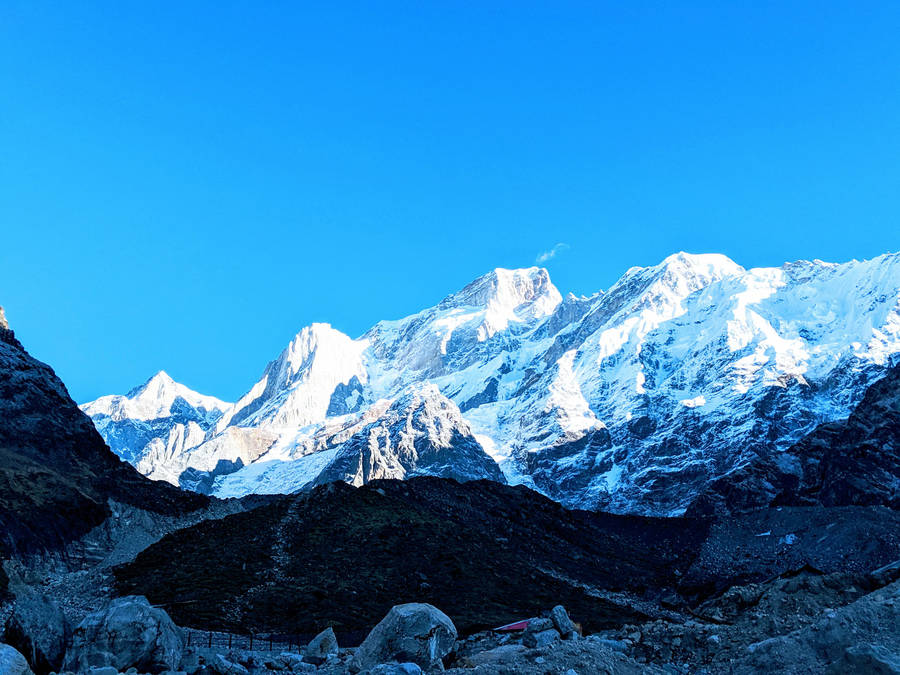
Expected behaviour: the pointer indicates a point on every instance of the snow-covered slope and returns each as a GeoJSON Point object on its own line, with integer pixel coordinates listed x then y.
{"type": "Point", "coordinates": [160, 417]}
{"type": "Point", "coordinates": [630, 400]}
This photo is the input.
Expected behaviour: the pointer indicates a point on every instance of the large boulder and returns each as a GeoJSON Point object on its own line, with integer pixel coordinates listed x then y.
{"type": "Point", "coordinates": [38, 629]}
{"type": "Point", "coordinates": [563, 623]}
{"type": "Point", "coordinates": [415, 632]}
{"type": "Point", "coordinates": [321, 647]}
{"type": "Point", "coordinates": [12, 662]}
{"type": "Point", "coordinates": [127, 633]}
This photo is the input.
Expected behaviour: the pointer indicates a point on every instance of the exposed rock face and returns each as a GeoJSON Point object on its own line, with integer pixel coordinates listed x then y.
{"type": "Point", "coordinates": [38, 628]}
{"type": "Point", "coordinates": [12, 662]}
{"type": "Point", "coordinates": [633, 400]}
{"type": "Point", "coordinates": [127, 633]}
{"type": "Point", "coordinates": [848, 462]}
{"type": "Point", "coordinates": [415, 632]}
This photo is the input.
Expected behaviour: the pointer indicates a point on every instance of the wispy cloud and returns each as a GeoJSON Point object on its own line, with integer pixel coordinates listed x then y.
{"type": "Point", "coordinates": [552, 253]}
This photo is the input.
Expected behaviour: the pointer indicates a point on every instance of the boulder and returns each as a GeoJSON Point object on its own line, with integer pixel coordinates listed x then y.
{"type": "Point", "coordinates": [538, 625]}
{"type": "Point", "coordinates": [415, 632]}
{"type": "Point", "coordinates": [12, 662]}
{"type": "Point", "coordinates": [39, 630]}
{"type": "Point", "coordinates": [867, 658]}
{"type": "Point", "coordinates": [127, 632]}
{"type": "Point", "coordinates": [540, 638]}
{"type": "Point", "coordinates": [504, 654]}
{"type": "Point", "coordinates": [563, 623]}
{"type": "Point", "coordinates": [321, 647]}
{"type": "Point", "coordinates": [222, 666]}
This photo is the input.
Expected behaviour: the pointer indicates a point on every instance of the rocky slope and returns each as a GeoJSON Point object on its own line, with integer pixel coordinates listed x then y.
{"type": "Point", "coordinates": [851, 461]}
{"type": "Point", "coordinates": [488, 554]}
{"type": "Point", "coordinates": [632, 400]}
{"type": "Point", "coordinates": [57, 476]}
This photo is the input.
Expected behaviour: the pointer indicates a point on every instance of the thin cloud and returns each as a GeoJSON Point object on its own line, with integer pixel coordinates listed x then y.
{"type": "Point", "coordinates": [552, 253]}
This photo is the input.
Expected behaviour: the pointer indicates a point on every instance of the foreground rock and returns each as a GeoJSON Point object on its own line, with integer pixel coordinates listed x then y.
{"type": "Point", "coordinates": [128, 633]}
{"type": "Point", "coordinates": [321, 647]}
{"type": "Point", "coordinates": [415, 632]}
{"type": "Point", "coordinates": [39, 630]}
{"type": "Point", "coordinates": [12, 662]}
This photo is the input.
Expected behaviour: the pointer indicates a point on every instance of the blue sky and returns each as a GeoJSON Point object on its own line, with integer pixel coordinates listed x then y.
{"type": "Point", "coordinates": [185, 185]}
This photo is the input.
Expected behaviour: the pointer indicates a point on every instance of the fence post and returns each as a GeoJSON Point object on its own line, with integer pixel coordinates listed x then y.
{"type": "Point", "coordinates": [189, 638]}
{"type": "Point", "coordinates": [270, 643]}
{"type": "Point", "coordinates": [251, 642]}
{"type": "Point", "coordinates": [210, 639]}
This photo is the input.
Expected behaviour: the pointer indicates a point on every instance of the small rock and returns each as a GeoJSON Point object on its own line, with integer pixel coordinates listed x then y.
{"type": "Point", "coordinates": [541, 639]}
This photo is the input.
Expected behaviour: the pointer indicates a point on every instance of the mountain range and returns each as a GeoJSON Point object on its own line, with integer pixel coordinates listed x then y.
{"type": "Point", "coordinates": [647, 398]}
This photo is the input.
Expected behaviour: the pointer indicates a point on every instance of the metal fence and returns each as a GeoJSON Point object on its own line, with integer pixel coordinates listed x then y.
{"type": "Point", "coordinates": [259, 643]}
{"type": "Point", "coordinates": [267, 642]}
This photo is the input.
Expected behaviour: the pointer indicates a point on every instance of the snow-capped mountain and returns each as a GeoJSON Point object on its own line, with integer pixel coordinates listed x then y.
{"type": "Point", "coordinates": [631, 400]}
{"type": "Point", "coordinates": [160, 418]}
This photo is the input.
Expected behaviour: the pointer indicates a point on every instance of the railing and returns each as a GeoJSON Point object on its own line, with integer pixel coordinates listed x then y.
{"type": "Point", "coordinates": [259, 643]}
{"type": "Point", "coordinates": [264, 642]}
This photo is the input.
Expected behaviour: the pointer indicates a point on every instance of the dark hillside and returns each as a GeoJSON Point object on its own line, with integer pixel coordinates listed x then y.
{"type": "Point", "coordinates": [56, 473]}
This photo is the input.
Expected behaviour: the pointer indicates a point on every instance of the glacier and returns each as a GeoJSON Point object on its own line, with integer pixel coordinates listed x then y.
{"type": "Point", "coordinates": [630, 400]}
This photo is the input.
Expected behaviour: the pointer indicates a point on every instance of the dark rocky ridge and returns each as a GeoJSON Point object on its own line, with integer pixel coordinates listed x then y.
{"type": "Point", "coordinates": [487, 554]}
{"type": "Point", "coordinates": [56, 473]}
{"type": "Point", "coordinates": [484, 552]}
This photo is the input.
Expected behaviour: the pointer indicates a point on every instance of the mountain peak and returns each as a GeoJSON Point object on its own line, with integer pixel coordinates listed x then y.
{"type": "Point", "coordinates": [525, 293]}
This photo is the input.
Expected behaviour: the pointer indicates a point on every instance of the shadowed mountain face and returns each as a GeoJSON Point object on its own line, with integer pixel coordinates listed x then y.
{"type": "Point", "coordinates": [56, 472]}
{"type": "Point", "coordinates": [484, 553]}
{"type": "Point", "coordinates": [855, 461]}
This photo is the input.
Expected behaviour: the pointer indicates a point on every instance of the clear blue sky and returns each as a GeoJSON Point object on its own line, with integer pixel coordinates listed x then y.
{"type": "Point", "coordinates": [185, 185]}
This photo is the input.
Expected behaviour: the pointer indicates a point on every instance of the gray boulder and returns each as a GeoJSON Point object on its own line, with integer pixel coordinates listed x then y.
{"type": "Point", "coordinates": [563, 623]}
{"type": "Point", "coordinates": [321, 647]}
{"type": "Point", "coordinates": [867, 658]}
{"type": "Point", "coordinates": [415, 632]}
{"type": "Point", "coordinates": [127, 633]}
{"type": "Point", "coordinates": [223, 666]}
{"type": "Point", "coordinates": [540, 638]}
{"type": "Point", "coordinates": [39, 630]}
{"type": "Point", "coordinates": [12, 662]}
